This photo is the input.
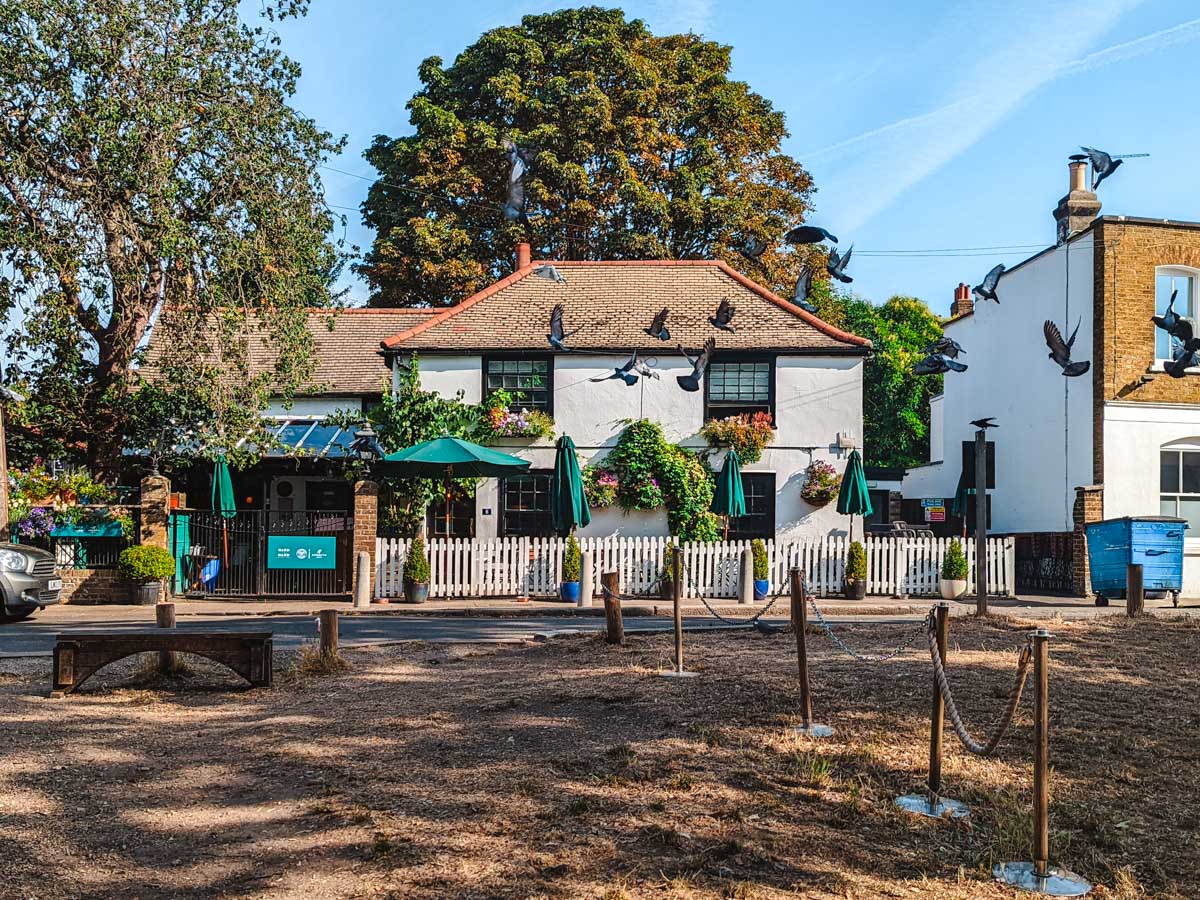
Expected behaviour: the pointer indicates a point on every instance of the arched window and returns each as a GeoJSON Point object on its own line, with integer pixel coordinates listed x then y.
{"type": "Point", "coordinates": [1179, 482]}
{"type": "Point", "coordinates": [1166, 280]}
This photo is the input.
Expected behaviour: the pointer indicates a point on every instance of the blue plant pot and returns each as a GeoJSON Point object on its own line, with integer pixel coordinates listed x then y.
{"type": "Point", "coordinates": [568, 591]}
{"type": "Point", "coordinates": [761, 587]}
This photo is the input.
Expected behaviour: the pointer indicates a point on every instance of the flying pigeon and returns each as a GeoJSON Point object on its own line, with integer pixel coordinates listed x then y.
{"type": "Point", "coordinates": [557, 335]}
{"type": "Point", "coordinates": [753, 248]}
{"type": "Point", "coordinates": [800, 293]}
{"type": "Point", "coordinates": [643, 369]}
{"type": "Point", "coordinates": [658, 328]}
{"type": "Point", "coordinates": [724, 315]}
{"type": "Point", "coordinates": [1103, 165]}
{"type": "Point", "coordinates": [1060, 350]}
{"type": "Point", "coordinates": [1169, 319]}
{"type": "Point", "coordinates": [945, 345]}
{"type": "Point", "coordinates": [836, 266]}
{"type": "Point", "coordinates": [938, 364]}
{"type": "Point", "coordinates": [986, 290]}
{"type": "Point", "coordinates": [514, 204]}
{"type": "Point", "coordinates": [550, 274]}
{"type": "Point", "coordinates": [808, 234]}
{"type": "Point", "coordinates": [691, 383]}
{"type": "Point", "coordinates": [985, 423]}
{"type": "Point", "coordinates": [622, 372]}
{"type": "Point", "coordinates": [1184, 345]}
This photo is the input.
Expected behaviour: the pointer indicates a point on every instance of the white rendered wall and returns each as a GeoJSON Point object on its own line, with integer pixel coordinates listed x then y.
{"type": "Point", "coordinates": [937, 436]}
{"type": "Point", "coordinates": [1134, 433]}
{"type": "Point", "coordinates": [304, 407]}
{"type": "Point", "coordinates": [1011, 378]}
{"type": "Point", "coordinates": [816, 399]}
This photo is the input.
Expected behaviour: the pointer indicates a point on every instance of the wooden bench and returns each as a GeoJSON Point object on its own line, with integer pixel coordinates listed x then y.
{"type": "Point", "coordinates": [78, 656]}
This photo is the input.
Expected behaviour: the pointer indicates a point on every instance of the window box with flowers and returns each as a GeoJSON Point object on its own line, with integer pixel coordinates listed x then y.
{"type": "Point", "coordinates": [748, 434]}
{"type": "Point", "coordinates": [821, 484]}
{"type": "Point", "coordinates": [499, 422]}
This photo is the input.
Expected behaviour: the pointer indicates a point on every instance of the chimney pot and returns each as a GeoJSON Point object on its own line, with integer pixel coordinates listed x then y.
{"type": "Point", "coordinates": [1080, 207]}
{"type": "Point", "coordinates": [1079, 170]}
{"type": "Point", "coordinates": [963, 303]}
{"type": "Point", "coordinates": [523, 255]}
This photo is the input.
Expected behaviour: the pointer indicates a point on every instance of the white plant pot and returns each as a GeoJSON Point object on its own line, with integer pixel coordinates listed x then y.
{"type": "Point", "coordinates": [954, 588]}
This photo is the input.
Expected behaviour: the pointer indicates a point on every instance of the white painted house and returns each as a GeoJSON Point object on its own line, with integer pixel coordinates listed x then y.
{"type": "Point", "coordinates": [779, 359]}
{"type": "Point", "coordinates": [1125, 432]}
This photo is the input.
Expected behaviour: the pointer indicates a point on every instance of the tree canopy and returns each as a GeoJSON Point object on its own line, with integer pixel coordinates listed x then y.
{"type": "Point", "coordinates": [149, 159]}
{"type": "Point", "coordinates": [644, 148]}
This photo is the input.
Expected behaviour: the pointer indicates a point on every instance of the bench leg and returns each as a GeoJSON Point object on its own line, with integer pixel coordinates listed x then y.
{"type": "Point", "coordinates": [261, 664]}
{"type": "Point", "coordinates": [64, 671]}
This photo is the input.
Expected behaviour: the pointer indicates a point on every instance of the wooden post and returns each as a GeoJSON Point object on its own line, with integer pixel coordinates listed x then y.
{"type": "Point", "coordinates": [981, 522]}
{"type": "Point", "coordinates": [1135, 595]}
{"type": "Point", "coordinates": [610, 585]}
{"type": "Point", "coordinates": [677, 603]}
{"type": "Point", "coordinates": [799, 625]}
{"type": "Point", "coordinates": [4, 523]}
{"type": "Point", "coordinates": [1041, 752]}
{"type": "Point", "coordinates": [328, 628]}
{"type": "Point", "coordinates": [937, 719]}
{"type": "Point", "coordinates": [164, 614]}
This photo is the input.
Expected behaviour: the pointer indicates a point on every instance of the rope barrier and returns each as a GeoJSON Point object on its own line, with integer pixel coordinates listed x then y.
{"type": "Point", "coordinates": [1014, 699]}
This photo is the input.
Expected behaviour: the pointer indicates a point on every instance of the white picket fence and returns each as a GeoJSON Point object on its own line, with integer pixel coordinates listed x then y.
{"type": "Point", "coordinates": [529, 567]}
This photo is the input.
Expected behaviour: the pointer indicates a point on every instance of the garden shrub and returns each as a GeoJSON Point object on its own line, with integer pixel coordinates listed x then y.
{"type": "Point", "coordinates": [416, 566]}
{"type": "Point", "coordinates": [145, 564]}
{"type": "Point", "coordinates": [856, 562]}
{"type": "Point", "coordinates": [762, 569]}
{"type": "Point", "coordinates": [570, 565]}
{"type": "Point", "coordinates": [954, 566]}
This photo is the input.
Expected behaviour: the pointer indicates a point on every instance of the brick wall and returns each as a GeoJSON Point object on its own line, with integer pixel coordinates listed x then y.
{"type": "Point", "coordinates": [1089, 507]}
{"type": "Point", "coordinates": [1127, 254]}
{"type": "Point", "coordinates": [93, 586]}
{"type": "Point", "coordinates": [366, 519]}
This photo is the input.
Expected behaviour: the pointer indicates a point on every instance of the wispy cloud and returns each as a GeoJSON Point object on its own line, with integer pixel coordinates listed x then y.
{"type": "Point", "coordinates": [999, 80]}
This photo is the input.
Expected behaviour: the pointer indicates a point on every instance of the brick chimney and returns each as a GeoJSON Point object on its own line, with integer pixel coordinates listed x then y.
{"type": "Point", "coordinates": [1079, 208]}
{"type": "Point", "coordinates": [523, 255]}
{"type": "Point", "coordinates": [963, 303]}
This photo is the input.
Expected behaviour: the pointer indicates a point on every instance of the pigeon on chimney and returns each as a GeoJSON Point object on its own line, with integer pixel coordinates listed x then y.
{"type": "Point", "coordinates": [1103, 165]}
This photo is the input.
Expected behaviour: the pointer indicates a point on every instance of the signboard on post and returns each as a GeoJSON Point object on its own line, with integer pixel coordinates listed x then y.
{"type": "Point", "coordinates": [288, 551]}
{"type": "Point", "coordinates": [968, 465]}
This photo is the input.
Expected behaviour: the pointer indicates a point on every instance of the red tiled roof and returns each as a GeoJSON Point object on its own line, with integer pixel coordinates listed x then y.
{"type": "Point", "coordinates": [614, 301]}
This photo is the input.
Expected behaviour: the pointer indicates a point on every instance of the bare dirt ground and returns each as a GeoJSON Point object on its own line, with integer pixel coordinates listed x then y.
{"type": "Point", "coordinates": [570, 770]}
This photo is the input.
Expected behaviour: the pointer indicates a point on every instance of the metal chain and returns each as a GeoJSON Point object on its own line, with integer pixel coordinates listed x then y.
{"type": "Point", "coordinates": [748, 621]}
{"type": "Point", "coordinates": [908, 641]}
{"type": "Point", "coordinates": [1014, 698]}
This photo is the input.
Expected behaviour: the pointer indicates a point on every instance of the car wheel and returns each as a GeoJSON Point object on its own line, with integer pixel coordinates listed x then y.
{"type": "Point", "coordinates": [8, 616]}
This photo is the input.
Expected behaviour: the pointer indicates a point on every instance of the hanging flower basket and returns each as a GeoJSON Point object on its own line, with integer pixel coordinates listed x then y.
{"type": "Point", "coordinates": [821, 484]}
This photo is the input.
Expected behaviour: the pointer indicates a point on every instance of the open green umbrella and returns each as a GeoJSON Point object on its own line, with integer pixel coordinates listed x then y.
{"type": "Point", "coordinates": [568, 501]}
{"type": "Point", "coordinates": [223, 503]}
{"type": "Point", "coordinates": [854, 499]}
{"type": "Point", "coordinates": [449, 458]}
{"type": "Point", "coordinates": [729, 499]}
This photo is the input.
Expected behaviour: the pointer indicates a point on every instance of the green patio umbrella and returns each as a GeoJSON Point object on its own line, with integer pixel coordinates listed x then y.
{"type": "Point", "coordinates": [729, 500]}
{"type": "Point", "coordinates": [223, 503]}
{"type": "Point", "coordinates": [958, 506]}
{"type": "Point", "coordinates": [449, 458]}
{"type": "Point", "coordinates": [854, 499]}
{"type": "Point", "coordinates": [568, 501]}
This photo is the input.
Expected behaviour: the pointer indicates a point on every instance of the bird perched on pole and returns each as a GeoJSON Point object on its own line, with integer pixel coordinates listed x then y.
{"type": "Point", "coordinates": [1060, 350]}
{"type": "Point", "coordinates": [985, 423]}
{"type": "Point", "coordinates": [836, 265]}
{"type": "Point", "coordinates": [691, 383]}
{"type": "Point", "coordinates": [1103, 165]}
{"type": "Point", "coordinates": [986, 289]}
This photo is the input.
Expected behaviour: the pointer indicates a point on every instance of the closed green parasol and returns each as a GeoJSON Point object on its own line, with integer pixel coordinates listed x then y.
{"type": "Point", "coordinates": [223, 504]}
{"type": "Point", "coordinates": [729, 499]}
{"type": "Point", "coordinates": [568, 501]}
{"type": "Point", "coordinates": [854, 498]}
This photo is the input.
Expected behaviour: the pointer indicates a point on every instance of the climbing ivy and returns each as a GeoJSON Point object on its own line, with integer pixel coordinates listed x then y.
{"type": "Point", "coordinates": [651, 472]}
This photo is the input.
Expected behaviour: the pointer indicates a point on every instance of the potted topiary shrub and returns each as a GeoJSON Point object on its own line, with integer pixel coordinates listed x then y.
{"type": "Point", "coordinates": [856, 572]}
{"type": "Point", "coordinates": [954, 572]}
{"type": "Point", "coordinates": [416, 572]}
{"type": "Point", "coordinates": [762, 572]}
{"type": "Point", "coordinates": [568, 588]}
{"type": "Point", "coordinates": [145, 568]}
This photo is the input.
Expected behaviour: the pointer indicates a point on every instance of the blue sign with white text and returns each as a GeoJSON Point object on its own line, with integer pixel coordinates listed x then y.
{"type": "Point", "coordinates": [286, 551]}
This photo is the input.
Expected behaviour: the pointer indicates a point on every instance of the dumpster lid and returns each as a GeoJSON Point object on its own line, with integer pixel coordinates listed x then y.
{"type": "Point", "coordinates": [1173, 519]}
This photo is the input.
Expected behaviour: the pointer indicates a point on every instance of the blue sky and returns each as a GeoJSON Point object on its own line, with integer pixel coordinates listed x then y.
{"type": "Point", "coordinates": [926, 125]}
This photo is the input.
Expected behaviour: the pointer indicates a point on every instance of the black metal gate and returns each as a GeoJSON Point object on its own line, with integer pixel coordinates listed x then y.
{"type": "Point", "coordinates": [228, 556]}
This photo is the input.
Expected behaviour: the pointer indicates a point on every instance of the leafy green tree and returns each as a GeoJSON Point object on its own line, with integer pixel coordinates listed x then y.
{"type": "Point", "coordinates": [150, 161]}
{"type": "Point", "coordinates": [644, 148]}
{"type": "Point", "coordinates": [895, 402]}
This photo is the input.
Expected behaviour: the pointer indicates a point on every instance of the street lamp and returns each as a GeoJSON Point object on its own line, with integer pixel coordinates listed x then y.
{"type": "Point", "coordinates": [366, 444]}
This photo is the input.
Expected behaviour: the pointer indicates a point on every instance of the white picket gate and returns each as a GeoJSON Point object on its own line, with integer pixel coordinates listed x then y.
{"type": "Point", "coordinates": [529, 567]}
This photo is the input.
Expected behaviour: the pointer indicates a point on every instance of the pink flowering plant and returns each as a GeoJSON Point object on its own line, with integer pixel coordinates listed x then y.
{"type": "Point", "coordinates": [821, 483]}
{"type": "Point", "coordinates": [600, 485]}
{"type": "Point", "coordinates": [501, 421]}
{"type": "Point", "coordinates": [747, 434]}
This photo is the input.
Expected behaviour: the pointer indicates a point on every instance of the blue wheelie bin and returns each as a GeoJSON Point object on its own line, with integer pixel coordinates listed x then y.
{"type": "Point", "coordinates": [1153, 542]}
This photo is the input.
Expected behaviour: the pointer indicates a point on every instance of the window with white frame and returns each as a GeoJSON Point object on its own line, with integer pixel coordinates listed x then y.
{"type": "Point", "coordinates": [1166, 281]}
{"type": "Point", "coordinates": [1179, 487]}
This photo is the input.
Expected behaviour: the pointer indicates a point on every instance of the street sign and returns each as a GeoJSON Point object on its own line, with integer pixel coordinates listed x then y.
{"type": "Point", "coordinates": [968, 464]}
{"type": "Point", "coordinates": [935, 514]}
{"type": "Point", "coordinates": [933, 501]}
{"type": "Point", "coordinates": [287, 551]}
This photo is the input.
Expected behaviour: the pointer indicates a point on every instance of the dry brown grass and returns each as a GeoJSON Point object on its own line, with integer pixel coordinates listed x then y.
{"type": "Point", "coordinates": [571, 770]}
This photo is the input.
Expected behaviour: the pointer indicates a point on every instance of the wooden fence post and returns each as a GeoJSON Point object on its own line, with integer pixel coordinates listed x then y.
{"type": "Point", "coordinates": [328, 627]}
{"type": "Point", "coordinates": [799, 610]}
{"type": "Point", "coordinates": [168, 660]}
{"type": "Point", "coordinates": [611, 587]}
{"type": "Point", "coordinates": [1135, 595]}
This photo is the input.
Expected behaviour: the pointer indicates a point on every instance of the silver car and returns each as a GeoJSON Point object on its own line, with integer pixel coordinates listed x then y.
{"type": "Point", "coordinates": [29, 581]}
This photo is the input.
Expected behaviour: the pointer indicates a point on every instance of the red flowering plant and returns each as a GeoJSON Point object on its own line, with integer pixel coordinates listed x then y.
{"type": "Point", "coordinates": [501, 421]}
{"type": "Point", "coordinates": [747, 434]}
{"type": "Point", "coordinates": [600, 485]}
{"type": "Point", "coordinates": [821, 483]}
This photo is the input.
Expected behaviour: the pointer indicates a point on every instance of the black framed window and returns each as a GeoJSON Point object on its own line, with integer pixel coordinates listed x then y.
{"type": "Point", "coordinates": [525, 505]}
{"type": "Point", "coordinates": [530, 381]}
{"type": "Point", "coordinates": [759, 520]}
{"type": "Point", "coordinates": [739, 387]}
{"type": "Point", "coordinates": [462, 518]}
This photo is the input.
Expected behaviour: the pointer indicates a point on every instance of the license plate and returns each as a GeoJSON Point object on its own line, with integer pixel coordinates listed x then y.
{"type": "Point", "coordinates": [54, 584]}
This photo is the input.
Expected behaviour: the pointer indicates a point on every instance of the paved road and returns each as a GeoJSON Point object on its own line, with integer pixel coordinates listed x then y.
{"type": "Point", "coordinates": [33, 638]}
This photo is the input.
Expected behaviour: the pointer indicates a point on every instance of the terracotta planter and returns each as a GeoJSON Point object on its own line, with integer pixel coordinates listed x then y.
{"type": "Point", "coordinates": [953, 588]}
